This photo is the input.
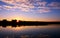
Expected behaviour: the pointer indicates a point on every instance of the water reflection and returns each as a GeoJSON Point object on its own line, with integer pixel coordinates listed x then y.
{"type": "Point", "coordinates": [50, 31]}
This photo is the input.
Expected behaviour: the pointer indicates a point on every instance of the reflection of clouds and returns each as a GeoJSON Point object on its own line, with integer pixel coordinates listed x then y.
{"type": "Point", "coordinates": [23, 29]}
{"type": "Point", "coordinates": [44, 36]}
{"type": "Point", "coordinates": [8, 26]}
{"type": "Point", "coordinates": [15, 31]}
{"type": "Point", "coordinates": [24, 36]}
{"type": "Point", "coordinates": [28, 36]}
{"type": "Point", "coordinates": [29, 5]}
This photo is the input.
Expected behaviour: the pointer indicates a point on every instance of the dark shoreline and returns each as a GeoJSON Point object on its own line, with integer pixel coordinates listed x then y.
{"type": "Point", "coordinates": [25, 23]}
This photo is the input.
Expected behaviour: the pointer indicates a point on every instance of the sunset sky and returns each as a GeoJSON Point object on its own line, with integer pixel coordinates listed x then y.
{"type": "Point", "coordinates": [30, 10]}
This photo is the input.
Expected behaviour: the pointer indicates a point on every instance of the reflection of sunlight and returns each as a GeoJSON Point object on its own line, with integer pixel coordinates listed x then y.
{"type": "Point", "coordinates": [7, 37]}
{"type": "Point", "coordinates": [18, 28]}
{"type": "Point", "coordinates": [25, 36]}
{"type": "Point", "coordinates": [1, 27]}
{"type": "Point", "coordinates": [20, 31]}
{"type": "Point", "coordinates": [29, 28]}
{"type": "Point", "coordinates": [17, 18]}
{"type": "Point", "coordinates": [9, 27]}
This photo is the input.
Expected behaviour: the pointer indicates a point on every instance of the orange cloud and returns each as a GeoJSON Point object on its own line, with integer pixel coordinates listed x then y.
{"type": "Point", "coordinates": [21, 0]}
{"type": "Point", "coordinates": [8, 1]}
{"type": "Point", "coordinates": [8, 7]}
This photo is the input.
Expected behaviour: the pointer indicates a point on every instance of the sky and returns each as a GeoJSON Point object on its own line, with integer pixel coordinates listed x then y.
{"type": "Point", "coordinates": [30, 10]}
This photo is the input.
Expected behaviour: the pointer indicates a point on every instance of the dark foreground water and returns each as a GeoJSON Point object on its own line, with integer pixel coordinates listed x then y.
{"type": "Point", "coordinates": [48, 31]}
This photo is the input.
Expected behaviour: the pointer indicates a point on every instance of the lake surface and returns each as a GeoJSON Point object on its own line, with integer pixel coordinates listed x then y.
{"type": "Point", "coordinates": [48, 31]}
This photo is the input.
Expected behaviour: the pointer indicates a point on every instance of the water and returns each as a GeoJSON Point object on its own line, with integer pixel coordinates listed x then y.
{"type": "Point", "coordinates": [48, 31]}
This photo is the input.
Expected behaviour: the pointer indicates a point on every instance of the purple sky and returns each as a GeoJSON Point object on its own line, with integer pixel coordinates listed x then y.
{"type": "Point", "coordinates": [30, 10]}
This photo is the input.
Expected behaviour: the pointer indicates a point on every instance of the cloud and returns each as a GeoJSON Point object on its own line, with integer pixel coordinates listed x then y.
{"type": "Point", "coordinates": [24, 5]}
{"type": "Point", "coordinates": [8, 7]}
{"type": "Point", "coordinates": [22, 1]}
{"type": "Point", "coordinates": [9, 1]}
{"type": "Point", "coordinates": [0, 6]}
{"type": "Point", "coordinates": [42, 3]}
{"type": "Point", "coordinates": [54, 5]}
{"type": "Point", "coordinates": [44, 10]}
{"type": "Point", "coordinates": [28, 5]}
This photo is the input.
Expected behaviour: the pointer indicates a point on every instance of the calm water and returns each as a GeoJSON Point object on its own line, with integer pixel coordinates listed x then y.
{"type": "Point", "coordinates": [48, 31]}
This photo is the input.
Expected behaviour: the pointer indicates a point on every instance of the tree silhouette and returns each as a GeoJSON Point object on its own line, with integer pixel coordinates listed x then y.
{"type": "Point", "coordinates": [14, 22]}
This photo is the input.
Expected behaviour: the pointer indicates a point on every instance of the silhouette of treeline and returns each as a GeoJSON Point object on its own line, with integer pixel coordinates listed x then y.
{"type": "Point", "coordinates": [14, 22]}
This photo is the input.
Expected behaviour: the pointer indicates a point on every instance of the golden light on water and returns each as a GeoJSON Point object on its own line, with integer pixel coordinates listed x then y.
{"type": "Point", "coordinates": [21, 28]}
